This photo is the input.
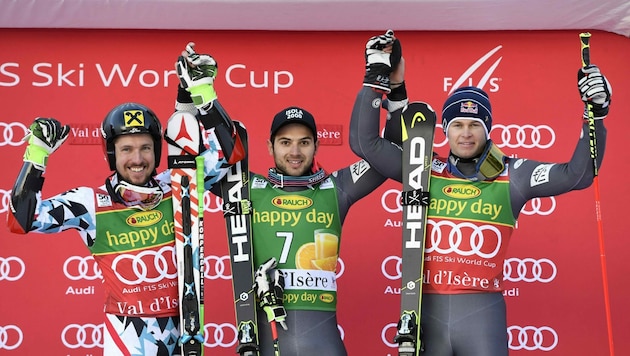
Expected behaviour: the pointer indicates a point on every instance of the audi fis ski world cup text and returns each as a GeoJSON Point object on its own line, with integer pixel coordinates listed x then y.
{"type": "Point", "coordinates": [46, 74]}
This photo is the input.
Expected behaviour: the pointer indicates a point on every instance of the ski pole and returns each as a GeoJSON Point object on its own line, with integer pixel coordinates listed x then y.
{"type": "Point", "coordinates": [274, 335]}
{"type": "Point", "coordinates": [586, 60]}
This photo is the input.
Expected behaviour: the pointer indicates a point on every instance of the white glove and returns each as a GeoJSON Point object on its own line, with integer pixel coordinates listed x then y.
{"type": "Point", "coordinates": [196, 74]}
{"type": "Point", "coordinates": [595, 90]}
{"type": "Point", "coordinates": [271, 298]}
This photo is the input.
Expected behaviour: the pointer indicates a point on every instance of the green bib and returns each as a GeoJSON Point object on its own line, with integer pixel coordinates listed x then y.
{"type": "Point", "coordinates": [132, 229]}
{"type": "Point", "coordinates": [302, 231]}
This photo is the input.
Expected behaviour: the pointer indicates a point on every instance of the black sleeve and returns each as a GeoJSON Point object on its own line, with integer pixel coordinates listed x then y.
{"type": "Point", "coordinates": [530, 179]}
{"type": "Point", "coordinates": [365, 141]}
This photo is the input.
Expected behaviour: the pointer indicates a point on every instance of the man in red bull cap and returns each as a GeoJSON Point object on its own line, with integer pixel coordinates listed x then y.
{"type": "Point", "coordinates": [465, 314]}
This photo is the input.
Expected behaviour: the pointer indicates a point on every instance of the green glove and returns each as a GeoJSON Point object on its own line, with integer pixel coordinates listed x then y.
{"type": "Point", "coordinates": [44, 137]}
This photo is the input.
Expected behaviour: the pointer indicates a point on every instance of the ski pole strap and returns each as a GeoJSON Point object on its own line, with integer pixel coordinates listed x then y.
{"type": "Point", "coordinates": [243, 207]}
{"type": "Point", "coordinates": [414, 197]}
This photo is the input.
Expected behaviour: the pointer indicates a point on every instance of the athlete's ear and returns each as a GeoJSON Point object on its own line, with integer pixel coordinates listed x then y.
{"type": "Point", "coordinates": [270, 147]}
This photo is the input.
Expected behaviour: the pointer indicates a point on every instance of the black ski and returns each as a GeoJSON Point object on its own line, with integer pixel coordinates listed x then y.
{"type": "Point", "coordinates": [418, 128]}
{"type": "Point", "coordinates": [237, 213]}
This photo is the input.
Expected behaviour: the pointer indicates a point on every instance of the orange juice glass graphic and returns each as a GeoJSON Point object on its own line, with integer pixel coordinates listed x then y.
{"type": "Point", "coordinates": [326, 244]}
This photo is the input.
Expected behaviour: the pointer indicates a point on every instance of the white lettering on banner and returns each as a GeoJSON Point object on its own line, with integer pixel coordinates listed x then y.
{"type": "Point", "coordinates": [146, 78]}
{"type": "Point", "coordinates": [281, 79]}
{"type": "Point", "coordinates": [309, 280]}
{"type": "Point", "coordinates": [64, 77]}
{"type": "Point", "coordinates": [466, 79]}
{"type": "Point", "coordinates": [79, 290]}
{"type": "Point", "coordinates": [4, 71]}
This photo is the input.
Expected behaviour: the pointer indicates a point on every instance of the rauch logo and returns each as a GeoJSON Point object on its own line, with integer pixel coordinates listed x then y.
{"type": "Point", "coordinates": [461, 191]}
{"type": "Point", "coordinates": [292, 202]}
{"type": "Point", "coordinates": [144, 218]}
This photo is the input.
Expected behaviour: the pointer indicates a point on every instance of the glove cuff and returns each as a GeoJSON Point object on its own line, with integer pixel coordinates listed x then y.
{"type": "Point", "coordinates": [183, 95]}
{"type": "Point", "coordinates": [599, 111]}
{"type": "Point", "coordinates": [377, 77]}
{"type": "Point", "coordinates": [203, 95]}
{"type": "Point", "coordinates": [37, 155]}
{"type": "Point", "coordinates": [398, 93]}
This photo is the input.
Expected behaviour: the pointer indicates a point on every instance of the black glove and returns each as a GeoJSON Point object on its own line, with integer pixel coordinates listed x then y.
{"type": "Point", "coordinates": [594, 90]}
{"type": "Point", "coordinates": [380, 57]}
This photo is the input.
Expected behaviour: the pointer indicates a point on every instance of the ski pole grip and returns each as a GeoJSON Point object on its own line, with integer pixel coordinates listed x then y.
{"type": "Point", "coordinates": [585, 38]}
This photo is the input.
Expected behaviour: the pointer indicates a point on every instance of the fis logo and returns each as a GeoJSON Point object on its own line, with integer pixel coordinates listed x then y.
{"type": "Point", "coordinates": [486, 80]}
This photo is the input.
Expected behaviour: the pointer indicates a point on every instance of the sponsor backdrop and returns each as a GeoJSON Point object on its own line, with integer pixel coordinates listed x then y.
{"type": "Point", "coordinates": [52, 293]}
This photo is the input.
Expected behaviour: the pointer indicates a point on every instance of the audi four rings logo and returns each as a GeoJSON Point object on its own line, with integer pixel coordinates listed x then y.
{"type": "Point", "coordinates": [76, 268]}
{"type": "Point", "coordinates": [528, 338]}
{"type": "Point", "coordinates": [12, 133]}
{"type": "Point", "coordinates": [515, 136]}
{"type": "Point", "coordinates": [526, 136]}
{"type": "Point", "coordinates": [532, 338]}
{"type": "Point", "coordinates": [464, 239]}
{"type": "Point", "coordinates": [529, 270]}
{"type": "Point", "coordinates": [390, 201]}
{"type": "Point", "coordinates": [10, 337]}
{"type": "Point", "coordinates": [159, 260]}
{"type": "Point", "coordinates": [223, 335]}
{"type": "Point", "coordinates": [88, 336]}
{"type": "Point", "coordinates": [5, 198]}
{"type": "Point", "coordinates": [217, 267]}
{"type": "Point", "coordinates": [540, 206]}
{"type": "Point", "coordinates": [514, 269]}
{"type": "Point", "coordinates": [11, 268]}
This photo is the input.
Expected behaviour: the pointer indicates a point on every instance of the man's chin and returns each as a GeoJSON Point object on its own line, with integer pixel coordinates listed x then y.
{"type": "Point", "coordinates": [139, 181]}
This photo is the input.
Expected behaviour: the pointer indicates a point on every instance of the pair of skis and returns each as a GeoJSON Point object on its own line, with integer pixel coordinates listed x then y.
{"type": "Point", "coordinates": [418, 127]}
{"type": "Point", "coordinates": [187, 183]}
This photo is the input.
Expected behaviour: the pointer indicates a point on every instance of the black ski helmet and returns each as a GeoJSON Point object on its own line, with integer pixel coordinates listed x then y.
{"type": "Point", "coordinates": [128, 119]}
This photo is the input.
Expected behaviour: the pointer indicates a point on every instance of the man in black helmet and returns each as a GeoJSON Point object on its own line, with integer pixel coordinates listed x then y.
{"type": "Point", "coordinates": [139, 275]}
{"type": "Point", "coordinates": [463, 310]}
